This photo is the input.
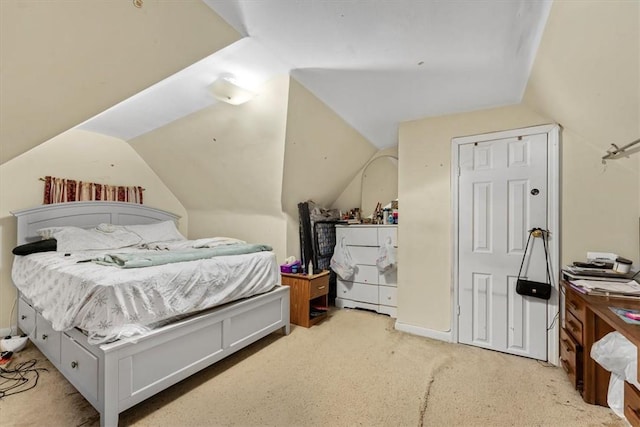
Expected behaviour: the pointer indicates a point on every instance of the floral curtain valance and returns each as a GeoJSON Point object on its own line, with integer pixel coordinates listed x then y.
{"type": "Point", "coordinates": [60, 190]}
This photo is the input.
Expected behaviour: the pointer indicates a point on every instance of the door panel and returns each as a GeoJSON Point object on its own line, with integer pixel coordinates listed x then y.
{"type": "Point", "coordinates": [482, 233]}
{"type": "Point", "coordinates": [496, 208]}
{"type": "Point", "coordinates": [482, 308]}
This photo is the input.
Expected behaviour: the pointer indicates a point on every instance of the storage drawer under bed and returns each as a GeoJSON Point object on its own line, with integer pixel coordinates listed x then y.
{"type": "Point", "coordinates": [80, 367]}
{"type": "Point", "coordinates": [26, 317]}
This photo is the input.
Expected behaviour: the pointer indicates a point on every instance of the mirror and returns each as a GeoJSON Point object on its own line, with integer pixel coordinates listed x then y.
{"type": "Point", "coordinates": [379, 183]}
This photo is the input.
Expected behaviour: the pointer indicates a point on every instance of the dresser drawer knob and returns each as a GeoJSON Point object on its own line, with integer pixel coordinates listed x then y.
{"type": "Point", "coordinates": [321, 287]}
{"type": "Point", "coordinates": [573, 305]}
{"type": "Point", "coordinates": [74, 364]}
{"type": "Point", "coordinates": [567, 346]}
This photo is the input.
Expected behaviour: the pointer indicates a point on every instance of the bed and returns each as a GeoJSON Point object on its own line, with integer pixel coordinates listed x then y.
{"type": "Point", "coordinates": [117, 374]}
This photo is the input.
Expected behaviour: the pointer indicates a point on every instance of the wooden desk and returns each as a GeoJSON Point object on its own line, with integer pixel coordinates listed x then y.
{"type": "Point", "coordinates": [586, 319]}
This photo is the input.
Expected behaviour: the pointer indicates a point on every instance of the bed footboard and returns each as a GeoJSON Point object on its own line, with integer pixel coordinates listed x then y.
{"type": "Point", "coordinates": [114, 377]}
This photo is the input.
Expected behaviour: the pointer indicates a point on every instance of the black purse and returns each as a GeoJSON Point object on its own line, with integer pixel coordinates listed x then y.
{"type": "Point", "coordinates": [531, 288]}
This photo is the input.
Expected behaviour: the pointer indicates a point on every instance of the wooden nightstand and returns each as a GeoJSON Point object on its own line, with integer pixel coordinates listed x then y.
{"type": "Point", "coordinates": [307, 292]}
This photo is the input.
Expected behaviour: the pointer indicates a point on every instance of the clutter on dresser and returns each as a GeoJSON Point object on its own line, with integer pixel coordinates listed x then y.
{"type": "Point", "coordinates": [352, 216]}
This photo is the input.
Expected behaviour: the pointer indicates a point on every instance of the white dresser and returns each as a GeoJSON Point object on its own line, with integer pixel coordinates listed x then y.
{"type": "Point", "coordinates": [367, 288]}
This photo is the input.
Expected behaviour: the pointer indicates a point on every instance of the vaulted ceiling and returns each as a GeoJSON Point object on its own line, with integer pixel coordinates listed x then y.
{"type": "Point", "coordinates": [375, 63]}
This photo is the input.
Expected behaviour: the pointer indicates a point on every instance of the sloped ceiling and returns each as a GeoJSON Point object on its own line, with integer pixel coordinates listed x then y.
{"type": "Point", "coordinates": [62, 62]}
{"type": "Point", "coordinates": [375, 63]}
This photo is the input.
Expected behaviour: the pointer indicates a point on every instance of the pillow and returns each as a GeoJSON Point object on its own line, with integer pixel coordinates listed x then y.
{"type": "Point", "coordinates": [165, 231]}
{"type": "Point", "coordinates": [46, 245]}
{"type": "Point", "coordinates": [71, 239]}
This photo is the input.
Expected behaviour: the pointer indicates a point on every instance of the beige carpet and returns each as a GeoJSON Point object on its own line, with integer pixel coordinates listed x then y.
{"type": "Point", "coordinates": [352, 369]}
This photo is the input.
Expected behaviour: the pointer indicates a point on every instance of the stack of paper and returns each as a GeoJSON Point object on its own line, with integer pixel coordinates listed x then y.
{"type": "Point", "coordinates": [609, 288]}
{"type": "Point", "coordinates": [609, 275]}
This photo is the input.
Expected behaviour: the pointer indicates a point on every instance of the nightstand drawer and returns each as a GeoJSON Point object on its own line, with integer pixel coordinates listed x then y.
{"type": "Point", "coordinates": [574, 327]}
{"type": "Point", "coordinates": [319, 287]}
{"type": "Point", "coordinates": [632, 404]}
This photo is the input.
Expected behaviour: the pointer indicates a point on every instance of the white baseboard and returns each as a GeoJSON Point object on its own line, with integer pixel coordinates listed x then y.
{"type": "Point", "coordinates": [423, 332]}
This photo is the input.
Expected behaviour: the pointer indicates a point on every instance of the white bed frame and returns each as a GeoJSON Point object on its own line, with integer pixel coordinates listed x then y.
{"type": "Point", "coordinates": [116, 376]}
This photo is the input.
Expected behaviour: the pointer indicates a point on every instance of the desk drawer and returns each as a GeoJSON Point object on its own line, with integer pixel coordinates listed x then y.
{"type": "Point", "coordinates": [632, 404]}
{"type": "Point", "coordinates": [574, 327]}
{"type": "Point", "coordinates": [575, 305]}
{"type": "Point", "coordinates": [570, 358]}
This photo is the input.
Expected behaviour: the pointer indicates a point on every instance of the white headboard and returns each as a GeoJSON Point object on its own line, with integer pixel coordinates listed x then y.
{"type": "Point", "coordinates": [85, 215]}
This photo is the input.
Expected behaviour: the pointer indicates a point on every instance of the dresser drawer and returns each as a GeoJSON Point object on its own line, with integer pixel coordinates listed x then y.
{"type": "Point", "coordinates": [319, 287]}
{"type": "Point", "coordinates": [574, 304]}
{"type": "Point", "coordinates": [390, 278]}
{"type": "Point", "coordinates": [570, 358]}
{"type": "Point", "coordinates": [574, 327]}
{"type": "Point", "coordinates": [632, 404]}
{"type": "Point", "coordinates": [365, 255]}
{"type": "Point", "coordinates": [26, 317]}
{"type": "Point", "coordinates": [385, 233]}
{"type": "Point", "coordinates": [388, 296]}
{"type": "Point", "coordinates": [358, 236]}
{"type": "Point", "coordinates": [47, 340]}
{"type": "Point", "coordinates": [357, 291]}
{"type": "Point", "coordinates": [80, 367]}
{"type": "Point", "coordinates": [366, 274]}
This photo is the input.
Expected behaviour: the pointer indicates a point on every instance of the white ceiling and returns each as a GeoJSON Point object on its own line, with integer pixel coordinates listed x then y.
{"type": "Point", "coordinates": [374, 62]}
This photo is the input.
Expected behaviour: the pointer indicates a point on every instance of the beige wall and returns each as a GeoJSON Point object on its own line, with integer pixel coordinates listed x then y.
{"type": "Point", "coordinates": [63, 61]}
{"type": "Point", "coordinates": [424, 193]}
{"type": "Point", "coordinates": [379, 185]}
{"type": "Point", "coordinates": [77, 155]}
{"type": "Point", "coordinates": [225, 165]}
{"type": "Point", "coordinates": [322, 156]}
{"type": "Point", "coordinates": [587, 78]}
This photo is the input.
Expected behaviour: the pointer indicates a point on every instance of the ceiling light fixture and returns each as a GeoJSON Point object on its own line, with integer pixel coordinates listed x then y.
{"type": "Point", "coordinates": [226, 89]}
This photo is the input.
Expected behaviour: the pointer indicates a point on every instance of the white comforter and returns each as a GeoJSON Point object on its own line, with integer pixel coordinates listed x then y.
{"type": "Point", "coordinates": [111, 303]}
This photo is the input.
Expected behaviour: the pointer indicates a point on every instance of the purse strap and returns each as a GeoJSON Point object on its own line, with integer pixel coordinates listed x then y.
{"type": "Point", "coordinates": [546, 252]}
{"type": "Point", "coordinates": [545, 236]}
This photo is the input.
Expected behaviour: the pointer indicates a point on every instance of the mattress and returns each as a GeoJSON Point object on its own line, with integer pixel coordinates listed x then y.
{"type": "Point", "coordinates": [110, 303]}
